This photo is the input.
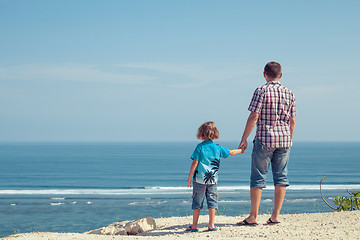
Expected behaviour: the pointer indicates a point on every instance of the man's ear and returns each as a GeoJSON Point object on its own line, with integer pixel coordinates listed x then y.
{"type": "Point", "coordinates": [264, 75]}
{"type": "Point", "coordinates": [280, 75]}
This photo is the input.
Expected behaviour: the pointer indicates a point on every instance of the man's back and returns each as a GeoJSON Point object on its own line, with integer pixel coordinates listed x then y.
{"type": "Point", "coordinates": [275, 105]}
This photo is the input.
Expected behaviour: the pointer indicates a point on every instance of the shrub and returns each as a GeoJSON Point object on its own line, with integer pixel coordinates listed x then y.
{"type": "Point", "coordinates": [343, 203]}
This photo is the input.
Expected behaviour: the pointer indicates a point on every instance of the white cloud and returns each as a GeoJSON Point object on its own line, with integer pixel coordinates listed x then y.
{"type": "Point", "coordinates": [193, 75]}
{"type": "Point", "coordinates": [157, 74]}
{"type": "Point", "coordinates": [69, 72]}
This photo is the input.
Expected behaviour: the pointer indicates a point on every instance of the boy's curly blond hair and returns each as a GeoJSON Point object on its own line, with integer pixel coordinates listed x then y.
{"type": "Point", "coordinates": [208, 131]}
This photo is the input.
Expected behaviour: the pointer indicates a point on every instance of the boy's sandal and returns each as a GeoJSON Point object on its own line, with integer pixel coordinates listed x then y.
{"type": "Point", "coordinates": [190, 229]}
{"type": "Point", "coordinates": [213, 229]}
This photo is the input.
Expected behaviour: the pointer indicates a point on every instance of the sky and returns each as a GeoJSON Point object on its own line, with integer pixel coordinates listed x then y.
{"type": "Point", "coordinates": [155, 70]}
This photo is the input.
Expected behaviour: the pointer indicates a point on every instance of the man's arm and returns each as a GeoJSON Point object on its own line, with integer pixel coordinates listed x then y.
{"type": "Point", "coordinates": [192, 170]}
{"type": "Point", "coordinates": [251, 122]}
{"type": "Point", "coordinates": [292, 126]}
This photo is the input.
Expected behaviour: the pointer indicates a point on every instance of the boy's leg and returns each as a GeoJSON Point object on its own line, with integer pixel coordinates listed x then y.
{"type": "Point", "coordinates": [196, 214]}
{"type": "Point", "coordinates": [212, 212]}
{"type": "Point", "coordinates": [212, 203]}
{"type": "Point", "coordinates": [198, 200]}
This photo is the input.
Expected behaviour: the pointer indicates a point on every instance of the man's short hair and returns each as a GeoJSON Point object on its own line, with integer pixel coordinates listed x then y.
{"type": "Point", "coordinates": [272, 70]}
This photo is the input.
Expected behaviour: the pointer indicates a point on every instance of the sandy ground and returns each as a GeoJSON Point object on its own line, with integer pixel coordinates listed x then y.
{"type": "Point", "coordinates": [343, 225]}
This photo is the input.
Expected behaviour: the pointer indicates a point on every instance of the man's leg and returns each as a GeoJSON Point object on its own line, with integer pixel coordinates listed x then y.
{"type": "Point", "coordinates": [260, 159]}
{"type": "Point", "coordinates": [279, 196]}
{"type": "Point", "coordinates": [279, 164]}
{"type": "Point", "coordinates": [255, 195]}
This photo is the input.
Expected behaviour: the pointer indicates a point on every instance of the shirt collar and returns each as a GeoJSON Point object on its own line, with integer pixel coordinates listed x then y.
{"type": "Point", "coordinates": [273, 82]}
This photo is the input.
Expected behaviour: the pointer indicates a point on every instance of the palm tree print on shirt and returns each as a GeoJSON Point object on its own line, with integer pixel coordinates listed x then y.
{"type": "Point", "coordinates": [216, 164]}
{"type": "Point", "coordinates": [196, 172]}
{"type": "Point", "coordinates": [209, 177]}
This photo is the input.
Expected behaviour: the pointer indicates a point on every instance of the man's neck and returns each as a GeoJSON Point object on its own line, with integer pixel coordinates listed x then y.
{"type": "Point", "coordinates": [272, 79]}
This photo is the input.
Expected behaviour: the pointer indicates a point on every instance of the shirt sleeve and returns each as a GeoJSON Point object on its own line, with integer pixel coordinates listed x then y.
{"type": "Point", "coordinates": [224, 152]}
{"type": "Point", "coordinates": [293, 109]}
{"type": "Point", "coordinates": [196, 154]}
{"type": "Point", "coordinates": [256, 102]}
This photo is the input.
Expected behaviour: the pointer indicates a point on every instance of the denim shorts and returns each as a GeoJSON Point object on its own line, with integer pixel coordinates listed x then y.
{"type": "Point", "coordinates": [199, 193]}
{"type": "Point", "coordinates": [261, 157]}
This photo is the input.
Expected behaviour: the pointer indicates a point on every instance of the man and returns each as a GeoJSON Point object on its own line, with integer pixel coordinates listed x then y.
{"type": "Point", "coordinates": [273, 111]}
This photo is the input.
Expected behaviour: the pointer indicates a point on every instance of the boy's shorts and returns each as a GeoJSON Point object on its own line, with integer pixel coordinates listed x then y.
{"type": "Point", "coordinates": [199, 193]}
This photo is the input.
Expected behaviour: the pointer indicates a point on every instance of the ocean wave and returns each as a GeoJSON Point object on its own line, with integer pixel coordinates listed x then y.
{"type": "Point", "coordinates": [233, 201]}
{"type": "Point", "coordinates": [162, 190]}
{"type": "Point", "coordinates": [136, 191]}
{"type": "Point", "coordinates": [147, 203]}
{"type": "Point", "coordinates": [301, 200]}
{"type": "Point", "coordinates": [324, 187]}
{"type": "Point", "coordinates": [57, 204]}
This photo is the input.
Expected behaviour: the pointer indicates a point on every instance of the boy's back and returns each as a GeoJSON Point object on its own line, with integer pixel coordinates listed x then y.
{"type": "Point", "coordinates": [208, 154]}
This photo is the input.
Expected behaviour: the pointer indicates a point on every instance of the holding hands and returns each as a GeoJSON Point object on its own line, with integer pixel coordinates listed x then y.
{"type": "Point", "coordinates": [243, 145]}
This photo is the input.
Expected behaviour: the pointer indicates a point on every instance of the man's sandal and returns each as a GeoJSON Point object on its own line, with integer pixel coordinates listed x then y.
{"type": "Point", "coordinates": [246, 223]}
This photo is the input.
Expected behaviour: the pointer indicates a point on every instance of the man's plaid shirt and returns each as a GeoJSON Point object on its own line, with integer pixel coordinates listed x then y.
{"type": "Point", "coordinates": [275, 104]}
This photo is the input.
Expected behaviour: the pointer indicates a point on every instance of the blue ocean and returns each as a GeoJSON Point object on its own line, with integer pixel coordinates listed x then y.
{"type": "Point", "coordinates": [77, 187]}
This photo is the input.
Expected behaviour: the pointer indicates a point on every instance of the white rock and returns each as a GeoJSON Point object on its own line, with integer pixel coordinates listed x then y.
{"type": "Point", "coordinates": [112, 230]}
{"type": "Point", "coordinates": [116, 228]}
{"type": "Point", "coordinates": [96, 231]}
{"type": "Point", "coordinates": [140, 225]}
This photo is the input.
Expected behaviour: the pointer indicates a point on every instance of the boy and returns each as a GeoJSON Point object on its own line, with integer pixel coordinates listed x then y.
{"type": "Point", "coordinates": [204, 171]}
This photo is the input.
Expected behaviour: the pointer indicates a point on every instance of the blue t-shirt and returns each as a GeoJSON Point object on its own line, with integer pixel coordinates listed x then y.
{"type": "Point", "coordinates": [208, 154]}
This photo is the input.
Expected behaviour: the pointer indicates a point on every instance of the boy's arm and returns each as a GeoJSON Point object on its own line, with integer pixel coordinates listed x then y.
{"type": "Point", "coordinates": [236, 151]}
{"type": "Point", "coordinates": [192, 170]}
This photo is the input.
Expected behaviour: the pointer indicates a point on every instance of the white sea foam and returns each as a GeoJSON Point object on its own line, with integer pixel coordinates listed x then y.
{"type": "Point", "coordinates": [89, 202]}
{"type": "Point", "coordinates": [56, 204]}
{"type": "Point", "coordinates": [233, 201]}
{"type": "Point", "coordinates": [302, 200]}
{"type": "Point", "coordinates": [147, 203]}
{"type": "Point", "coordinates": [324, 187]}
{"type": "Point", "coordinates": [58, 198]}
{"type": "Point", "coordinates": [164, 190]}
